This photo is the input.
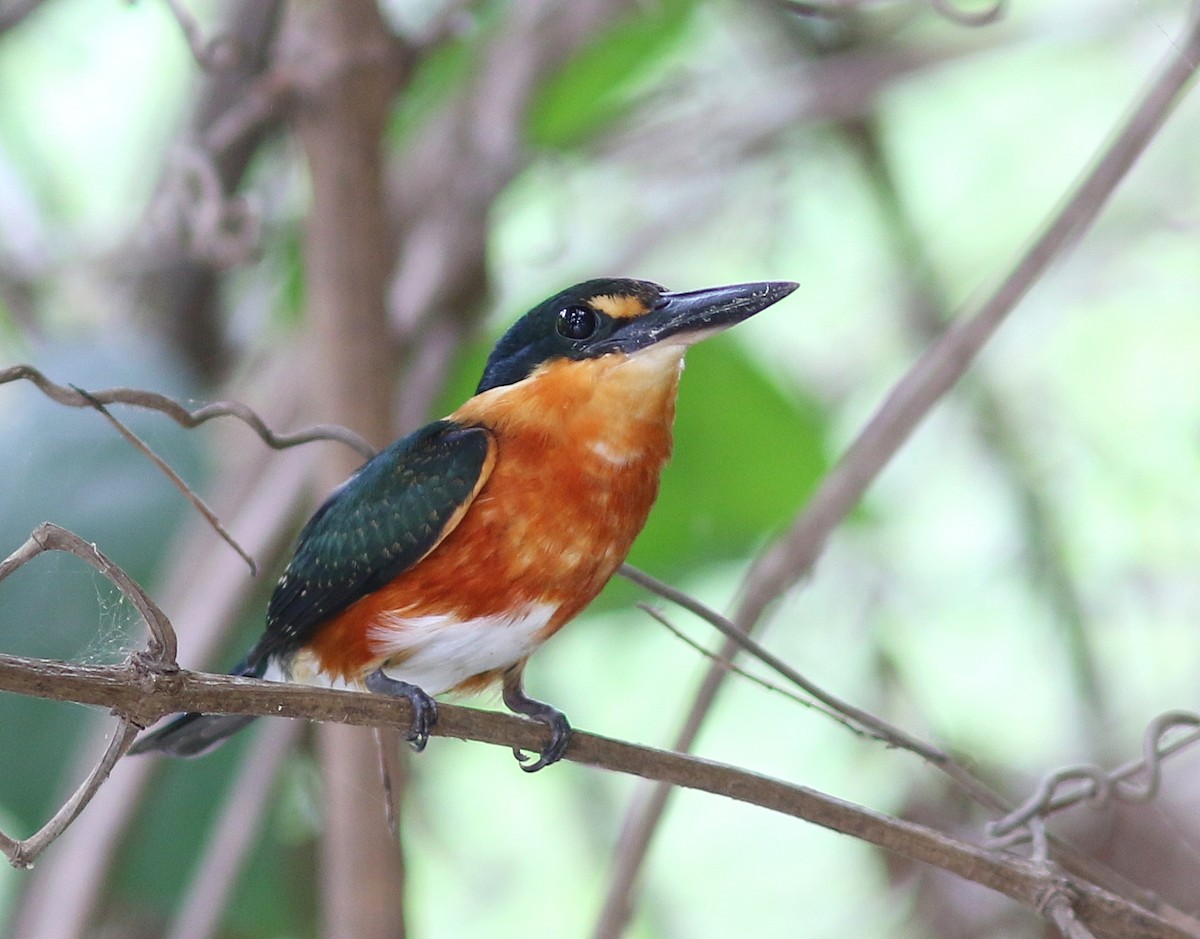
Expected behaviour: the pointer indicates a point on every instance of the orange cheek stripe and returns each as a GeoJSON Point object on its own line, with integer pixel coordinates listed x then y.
{"type": "Point", "coordinates": [619, 307]}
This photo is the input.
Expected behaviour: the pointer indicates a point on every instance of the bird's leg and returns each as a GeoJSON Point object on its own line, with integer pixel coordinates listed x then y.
{"type": "Point", "coordinates": [424, 708]}
{"type": "Point", "coordinates": [517, 701]}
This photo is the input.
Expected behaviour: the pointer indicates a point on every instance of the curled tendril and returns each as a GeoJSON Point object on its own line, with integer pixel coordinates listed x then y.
{"type": "Point", "coordinates": [1094, 786]}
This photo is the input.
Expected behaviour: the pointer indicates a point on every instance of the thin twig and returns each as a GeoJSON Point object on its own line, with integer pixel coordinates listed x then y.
{"type": "Point", "coordinates": [190, 494]}
{"type": "Point", "coordinates": [159, 655]}
{"type": "Point", "coordinates": [50, 537]}
{"type": "Point", "coordinates": [153, 401]}
{"type": "Point", "coordinates": [22, 852]}
{"type": "Point", "coordinates": [391, 776]}
{"type": "Point", "coordinates": [864, 721]}
{"type": "Point", "coordinates": [1057, 904]}
{"type": "Point", "coordinates": [636, 840]}
{"type": "Point", "coordinates": [204, 589]}
{"type": "Point", "coordinates": [663, 620]}
{"type": "Point", "coordinates": [1068, 787]}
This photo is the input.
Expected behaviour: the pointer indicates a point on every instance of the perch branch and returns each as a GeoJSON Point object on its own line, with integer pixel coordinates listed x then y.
{"type": "Point", "coordinates": [143, 695]}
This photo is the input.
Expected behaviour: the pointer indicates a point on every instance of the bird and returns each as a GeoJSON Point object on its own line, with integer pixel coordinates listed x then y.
{"type": "Point", "coordinates": [450, 557]}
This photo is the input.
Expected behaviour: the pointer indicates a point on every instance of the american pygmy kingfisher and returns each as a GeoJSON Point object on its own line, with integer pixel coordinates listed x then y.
{"type": "Point", "coordinates": [451, 556]}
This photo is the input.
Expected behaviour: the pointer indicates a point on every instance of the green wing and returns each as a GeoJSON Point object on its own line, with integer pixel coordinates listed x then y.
{"type": "Point", "coordinates": [379, 523]}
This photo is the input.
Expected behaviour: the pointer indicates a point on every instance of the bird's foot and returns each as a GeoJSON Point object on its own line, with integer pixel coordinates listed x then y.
{"type": "Point", "coordinates": [424, 708]}
{"type": "Point", "coordinates": [552, 752]}
{"type": "Point", "coordinates": [518, 702]}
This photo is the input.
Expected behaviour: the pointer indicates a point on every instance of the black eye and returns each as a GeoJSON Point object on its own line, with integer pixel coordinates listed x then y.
{"type": "Point", "coordinates": [577, 322]}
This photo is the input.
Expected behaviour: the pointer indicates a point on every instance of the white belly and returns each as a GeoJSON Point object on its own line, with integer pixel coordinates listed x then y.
{"type": "Point", "coordinates": [441, 652]}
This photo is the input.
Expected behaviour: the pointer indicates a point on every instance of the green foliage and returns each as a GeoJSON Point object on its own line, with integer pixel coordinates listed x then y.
{"type": "Point", "coordinates": [747, 454]}
{"type": "Point", "coordinates": [593, 87]}
{"type": "Point", "coordinates": [436, 76]}
{"type": "Point", "coordinates": [441, 71]}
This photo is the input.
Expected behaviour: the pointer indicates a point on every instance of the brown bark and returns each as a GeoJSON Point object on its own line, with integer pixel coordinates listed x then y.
{"type": "Point", "coordinates": [348, 256]}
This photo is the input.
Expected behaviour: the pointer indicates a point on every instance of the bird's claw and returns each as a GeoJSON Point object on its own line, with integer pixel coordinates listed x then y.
{"type": "Point", "coordinates": [424, 708]}
{"type": "Point", "coordinates": [517, 701]}
{"type": "Point", "coordinates": [552, 752]}
{"type": "Point", "coordinates": [424, 717]}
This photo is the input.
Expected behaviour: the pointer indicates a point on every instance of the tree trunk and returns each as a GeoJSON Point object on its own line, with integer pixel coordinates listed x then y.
{"type": "Point", "coordinates": [348, 258]}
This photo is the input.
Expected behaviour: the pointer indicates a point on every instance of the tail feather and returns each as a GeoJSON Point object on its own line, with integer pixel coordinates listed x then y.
{"type": "Point", "coordinates": [194, 734]}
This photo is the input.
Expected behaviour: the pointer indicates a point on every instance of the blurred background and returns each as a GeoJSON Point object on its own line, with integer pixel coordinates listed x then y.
{"type": "Point", "coordinates": [330, 210]}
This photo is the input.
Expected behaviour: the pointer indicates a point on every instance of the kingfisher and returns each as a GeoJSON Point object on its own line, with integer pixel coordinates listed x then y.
{"type": "Point", "coordinates": [447, 559]}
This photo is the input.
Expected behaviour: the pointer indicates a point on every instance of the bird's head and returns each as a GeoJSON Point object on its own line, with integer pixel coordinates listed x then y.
{"type": "Point", "coordinates": [611, 316]}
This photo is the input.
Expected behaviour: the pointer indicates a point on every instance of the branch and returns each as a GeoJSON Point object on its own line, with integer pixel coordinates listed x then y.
{"type": "Point", "coordinates": [261, 495]}
{"type": "Point", "coordinates": [22, 852]}
{"type": "Point", "coordinates": [160, 655]}
{"type": "Point", "coordinates": [937, 371]}
{"type": "Point", "coordinates": [794, 555]}
{"type": "Point", "coordinates": [150, 686]}
{"type": "Point", "coordinates": [216, 54]}
{"type": "Point", "coordinates": [142, 695]}
{"type": "Point", "coordinates": [1068, 787]}
{"type": "Point", "coordinates": [152, 401]}
{"type": "Point", "coordinates": [863, 722]}
{"type": "Point", "coordinates": [1014, 828]}
{"type": "Point", "coordinates": [48, 537]}
{"type": "Point", "coordinates": [13, 14]}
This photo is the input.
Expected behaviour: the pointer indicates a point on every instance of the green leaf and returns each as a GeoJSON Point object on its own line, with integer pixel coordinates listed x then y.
{"type": "Point", "coordinates": [746, 457]}
{"type": "Point", "coordinates": [594, 85]}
